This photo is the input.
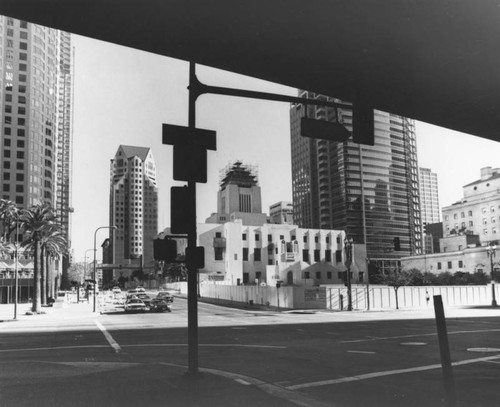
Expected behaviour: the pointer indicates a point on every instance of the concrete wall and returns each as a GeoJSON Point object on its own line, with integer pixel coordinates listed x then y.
{"type": "Point", "coordinates": [334, 297]}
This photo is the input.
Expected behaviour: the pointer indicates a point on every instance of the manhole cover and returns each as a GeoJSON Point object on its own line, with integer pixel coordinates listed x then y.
{"type": "Point", "coordinates": [483, 350]}
{"type": "Point", "coordinates": [413, 343]}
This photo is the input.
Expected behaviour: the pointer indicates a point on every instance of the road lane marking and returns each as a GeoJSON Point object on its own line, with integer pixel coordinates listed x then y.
{"type": "Point", "coordinates": [145, 345]}
{"type": "Point", "coordinates": [244, 382]}
{"type": "Point", "coordinates": [108, 337]}
{"type": "Point", "coordinates": [369, 339]}
{"type": "Point", "coordinates": [360, 351]}
{"type": "Point", "coordinates": [388, 373]}
{"type": "Point", "coordinates": [208, 345]}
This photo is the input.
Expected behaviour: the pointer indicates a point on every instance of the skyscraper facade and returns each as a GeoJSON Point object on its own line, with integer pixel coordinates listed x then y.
{"type": "Point", "coordinates": [133, 207]}
{"type": "Point", "coordinates": [371, 192]}
{"type": "Point", "coordinates": [429, 195]}
{"type": "Point", "coordinates": [36, 90]}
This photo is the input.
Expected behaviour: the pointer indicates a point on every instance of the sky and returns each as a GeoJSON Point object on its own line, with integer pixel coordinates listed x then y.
{"type": "Point", "coordinates": [123, 96]}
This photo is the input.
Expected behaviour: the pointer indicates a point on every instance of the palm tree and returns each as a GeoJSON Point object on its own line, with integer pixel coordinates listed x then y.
{"type": "Point", "coordinates": [36, 221]}
{"type": "Point", "coordinates": [9, 215]}
{"type": "Point", "coordinates": [53, 245]}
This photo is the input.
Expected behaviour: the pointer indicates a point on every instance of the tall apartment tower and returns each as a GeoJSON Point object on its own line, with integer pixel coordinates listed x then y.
{"type": "Point", "coordinates": [239, 196]}
{"type": "Point", "coordinates": [371, 192]}
{"type": "Point", "coordinates": [429, 196]}
{"type": "Point", "coordinates": [35, 103]}
{"type": "Point", "coordinates": [133, 207]}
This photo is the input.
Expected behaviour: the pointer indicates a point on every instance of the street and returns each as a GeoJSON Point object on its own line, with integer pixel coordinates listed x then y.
{"type": "Point", "coordinates": [270, 358]}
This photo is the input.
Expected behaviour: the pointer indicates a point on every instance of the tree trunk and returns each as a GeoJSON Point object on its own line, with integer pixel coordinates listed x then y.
{"type": "Point", "coordinates": [37, 304]}
{"type": "Point", "coordinates": [48, 279]}
{"type": "Point", "coordinates": [43, 277]}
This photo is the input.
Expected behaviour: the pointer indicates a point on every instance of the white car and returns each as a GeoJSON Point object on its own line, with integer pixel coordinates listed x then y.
{"type": "Point", "coordinates": [117, 290]}
{"type": "Point", "coordinates": [135, 305]}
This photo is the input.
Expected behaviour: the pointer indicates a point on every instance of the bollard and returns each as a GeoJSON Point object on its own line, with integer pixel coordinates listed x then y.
{"type": "Point", "coordinates": [341, 302]}
{"type": "Point", "coordinates": [444, 349]}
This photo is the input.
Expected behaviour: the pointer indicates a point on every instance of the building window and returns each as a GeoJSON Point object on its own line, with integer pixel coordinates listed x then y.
{"type": "Point", "coordinates": [245, 254]}
{"type": "Point", "coordinates": [306, 274]}
{"type": "Point", "coordinates": [455, 216]}
{"type": "Point", "coordinates": [305, 255]}
{"type": "Point", "coordinates": [269, 250]}
{"type": "Point", "coordinates": [449, 265]}
{"type": "Point", "coordinates": [244, 236]}
{"type": "Point", "coordinates": [485, 222]}
{"type": "Point", "coordinates": [483, 210]}
{"type": "Point", "coordinates": [316, 255]}
{"type": "Point", "coordinates": [282, 237]}
{"type": "Point", "coordinates": [471, 223]}
{"type": "Point", "coordinates": [269, 262]}
{"type": "Point", "coordinates": [439, 265]}
{"type": "Point", "coordinates": [328, 256]}
{"type": "Point", "coordinates": [329, 275]}
{"type": "Point", "coordinates": [470, 213]}
{"type": "Point", "coordinates": [256, 255]}
{"type": "Point", "coordinates": [338, 256]}
{"type": "Point", "coordinates": [318, 275]}
{"type": "Point", "coordinates": [269, 238]}
{"type": "Point", "coordinates": [218, 253]}
{"type": "Point", "coordinates": [316, 239]}
{"type": "Point", "coordinates": [218, 234]}
{"type": "Point", "coordinates": [304, 239]}
{"type": "Point", "coordinates": [328, 239]}
{"type": "Point", "coordinates": [257, 237]}
{"type": "Point", "coordinates": [493, 220]}
{"type": "Point", "coordinates": [492, 209]}
{"type": "Point", "coordinates": [460, 263]}
{"type": "Point", "coordinates": [485, 231]}
{"type": "Point", "coordinates": [6, 165]}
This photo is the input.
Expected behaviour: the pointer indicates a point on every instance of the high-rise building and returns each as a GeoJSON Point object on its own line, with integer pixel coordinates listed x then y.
{"type": "Point", "coordinates": [429, 196]}
{"type": "Point", "coordinates": [429, 205]}
{"type": "Point", "coordinates": [371, 192]}
{"type": "Point", "coordinates": [133, 207]}
{"type": "Point", "coordinates": [36, 110]}
{"type": "Point", "coordinates": [239, 196]}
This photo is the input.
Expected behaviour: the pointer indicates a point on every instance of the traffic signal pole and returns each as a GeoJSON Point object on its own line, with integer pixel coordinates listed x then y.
{"type": "Point", "coordinates": [192, 270]}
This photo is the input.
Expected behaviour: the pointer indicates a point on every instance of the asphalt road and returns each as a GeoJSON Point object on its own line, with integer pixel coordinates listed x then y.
{"type": "Point", "coordinates": [293, 359]}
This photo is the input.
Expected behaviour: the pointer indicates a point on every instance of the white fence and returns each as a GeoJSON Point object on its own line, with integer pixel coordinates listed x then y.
{"type": "Point", "coordinates": [335, 297]}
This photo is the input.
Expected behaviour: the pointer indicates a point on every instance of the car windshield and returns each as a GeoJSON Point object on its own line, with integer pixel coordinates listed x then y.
{"type": "Point", "coordinates": [134, 301]}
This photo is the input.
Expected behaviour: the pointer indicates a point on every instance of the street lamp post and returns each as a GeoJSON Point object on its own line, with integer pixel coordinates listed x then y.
{"type": "Point", "coordinates": [348, 248]}
{"type": "Point", "coordinates": [491, 250]}
{"type": "Point", "coordinates": [16, 274]}
{"type": "Point", "coordinates": [94, 273]}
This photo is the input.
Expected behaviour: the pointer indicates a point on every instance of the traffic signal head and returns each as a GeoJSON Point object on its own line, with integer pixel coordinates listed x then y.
{"type": "Point", "coordinates": [165, 250]}
{"type": "Point", "coordinates": [397, 244]}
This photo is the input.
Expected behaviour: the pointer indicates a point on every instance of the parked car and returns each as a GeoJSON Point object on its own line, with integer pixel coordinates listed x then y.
{"type": "Point", "coordinates": [135, 305]}
{"type": "Point", "coordinates": [132, 293]}
{"type": "Point", "coordinates": [116, 290]}
{"type": "Point", "coordinates": [140, 289]}
{"type": "Point", "coordinates": [159, 305]}
{"type": "Point", "coordinates": [166, 296]}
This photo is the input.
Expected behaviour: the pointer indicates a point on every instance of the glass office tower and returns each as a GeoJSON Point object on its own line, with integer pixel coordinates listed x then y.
{"type": "Point", "coordinates": [36, 91]}
{"type": "Point", "coordinates": [371, 192]}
